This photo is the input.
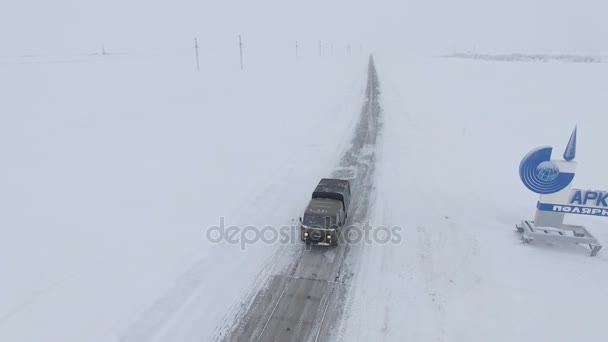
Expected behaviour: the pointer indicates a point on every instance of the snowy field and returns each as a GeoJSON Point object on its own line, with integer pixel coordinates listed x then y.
{"type": "Point", "coordinates": [113, 168]}
{"type": "Point", "coordinates": [454, 134]}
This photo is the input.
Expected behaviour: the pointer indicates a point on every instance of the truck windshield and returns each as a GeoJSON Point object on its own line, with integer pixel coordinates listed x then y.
{"type": "Point", "coordinates": [318, 221]}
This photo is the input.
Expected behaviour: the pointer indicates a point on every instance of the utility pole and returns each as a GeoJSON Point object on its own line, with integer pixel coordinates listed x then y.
{"type": "Point", "coordinates": [241, 50]}
{"type": "Point", "coordinates": [348, 49]}
{"type": "Point", "coordinates": [196, 49]}
{"type": "Point", "coordinates": [103, 50]}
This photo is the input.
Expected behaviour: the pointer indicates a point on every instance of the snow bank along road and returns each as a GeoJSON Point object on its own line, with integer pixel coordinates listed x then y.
{"type": "Point", "coordinates": [306, 301]}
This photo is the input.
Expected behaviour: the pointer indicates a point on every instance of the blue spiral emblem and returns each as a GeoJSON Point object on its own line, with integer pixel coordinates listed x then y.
{"type": "Point", "coordinates": [541, 175]}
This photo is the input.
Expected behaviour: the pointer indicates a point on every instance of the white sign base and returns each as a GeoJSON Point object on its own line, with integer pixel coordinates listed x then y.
{"type": "Point", "coordinates": [566, 233]}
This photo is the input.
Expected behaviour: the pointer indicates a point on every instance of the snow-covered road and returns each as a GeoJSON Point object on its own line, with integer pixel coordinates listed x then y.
{"type": "Point", "coordinates": [304, 301]}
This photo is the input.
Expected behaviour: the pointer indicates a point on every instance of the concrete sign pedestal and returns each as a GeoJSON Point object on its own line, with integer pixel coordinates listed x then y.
{"type": "Point", "coordinates": [566, 233]}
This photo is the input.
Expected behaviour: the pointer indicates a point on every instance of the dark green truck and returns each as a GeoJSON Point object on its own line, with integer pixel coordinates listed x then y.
{"type": "Point", "coordinates": [326, 212]}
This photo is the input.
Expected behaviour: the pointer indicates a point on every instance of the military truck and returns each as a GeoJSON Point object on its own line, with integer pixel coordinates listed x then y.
{"type": "Point", "coordinates": [326, 212]}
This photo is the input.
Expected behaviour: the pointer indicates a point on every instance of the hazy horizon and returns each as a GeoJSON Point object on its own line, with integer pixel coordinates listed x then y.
{"type": "Point", "coordinates": [421, 25]}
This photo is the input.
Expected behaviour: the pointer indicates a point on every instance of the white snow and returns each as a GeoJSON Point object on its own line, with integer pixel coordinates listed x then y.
{"type": "Point", "coordinates": [113, 167]}
{"type": "Point", "coordinates": [454, 133]}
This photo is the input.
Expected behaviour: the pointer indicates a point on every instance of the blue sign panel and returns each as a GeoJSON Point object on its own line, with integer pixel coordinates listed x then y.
{"type": "Point", "coordinates": [542, 175]}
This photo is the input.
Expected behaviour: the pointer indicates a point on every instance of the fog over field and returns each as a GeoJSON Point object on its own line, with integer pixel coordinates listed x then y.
{"type": "Point", "coordinates": [129, 180]}
{"type": "Point", "coordinates": [504, 25]}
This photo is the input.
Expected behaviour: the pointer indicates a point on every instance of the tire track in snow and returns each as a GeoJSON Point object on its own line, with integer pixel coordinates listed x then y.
{"type": "Point", "coordinates": [152, 322]}
{"type": "Point", "coordinates": [36, 295]}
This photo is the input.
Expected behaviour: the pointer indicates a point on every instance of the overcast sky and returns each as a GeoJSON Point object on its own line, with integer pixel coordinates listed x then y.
{"type": "Point", "coordinates": [522, 25]}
